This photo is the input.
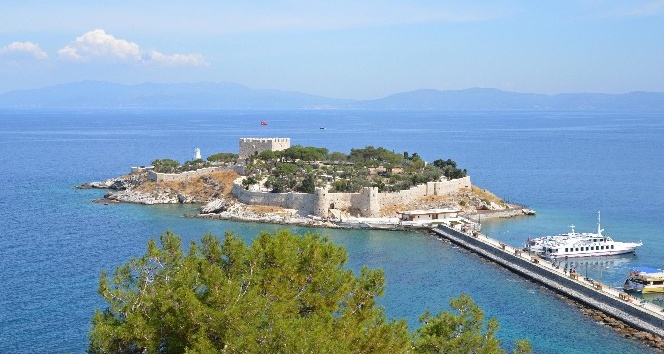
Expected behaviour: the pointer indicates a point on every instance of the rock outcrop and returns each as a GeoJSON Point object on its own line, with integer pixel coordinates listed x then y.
{"type": "Point", "coordinates": [137, 188]}
{"type": "Point", "coordinates": [217, 206]}
{"type": "Point", "coordinates": [119, 183]}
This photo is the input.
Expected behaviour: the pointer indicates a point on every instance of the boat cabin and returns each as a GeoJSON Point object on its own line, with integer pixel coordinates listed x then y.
{"type": "Point", "coordinates": [430, 214]}
{"type": "Point", "coordinates": [646, 280]}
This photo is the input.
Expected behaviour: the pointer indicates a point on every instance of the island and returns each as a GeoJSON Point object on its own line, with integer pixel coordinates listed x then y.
{"type": "Point", "coordinates": [269, 180]}
{"type": "Point", "coordinates": [273, 182]}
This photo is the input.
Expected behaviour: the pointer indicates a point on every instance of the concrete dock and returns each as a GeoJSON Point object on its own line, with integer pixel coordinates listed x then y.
{"type": "Point", "coordinates": [644, 316]}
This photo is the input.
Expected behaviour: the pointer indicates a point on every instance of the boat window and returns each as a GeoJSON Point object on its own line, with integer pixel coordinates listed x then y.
{"type": "Point", "coordinates": [566, 250]}
{"type": "Point", "coordinates": [611, 246]}
{"type": "Point", "coordinates": [658, 282]}
{"type": "Point", "coordinates": [576, 249]}
{"type": "Point", "coordinates": [601, 247]}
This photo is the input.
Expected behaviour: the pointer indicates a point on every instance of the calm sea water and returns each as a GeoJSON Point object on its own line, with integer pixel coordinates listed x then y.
{"type": "Point", "coordinates": [567, 165]}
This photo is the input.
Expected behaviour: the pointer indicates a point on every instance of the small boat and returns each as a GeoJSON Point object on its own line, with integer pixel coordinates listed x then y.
{"type": "Point", "coordinates": [645, 280]}
{"type": "Point", "coordinates": [263, 122]}
{"type": "Point", "coordinates": [579, 244]}
{"type": "Point", "coordinates": [322, 128]}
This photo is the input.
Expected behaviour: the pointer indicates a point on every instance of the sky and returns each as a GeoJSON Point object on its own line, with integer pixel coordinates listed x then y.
{"type": "Point", "coordinates": [357, 49]}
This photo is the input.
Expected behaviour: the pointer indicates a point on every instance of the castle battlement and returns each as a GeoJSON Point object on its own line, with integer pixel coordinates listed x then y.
{"type": "Point", "coordinates": [252, 146]}
{"type": "Point", "coordinates": [367, 203]}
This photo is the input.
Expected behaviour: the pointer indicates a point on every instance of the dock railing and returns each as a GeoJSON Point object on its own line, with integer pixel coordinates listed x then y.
{"type": "Point", "coordinates": [592, 286]}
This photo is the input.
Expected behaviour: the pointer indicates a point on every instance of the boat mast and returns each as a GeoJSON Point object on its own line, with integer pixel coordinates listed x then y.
{"type": "Point", "coordinates": [599, 228]}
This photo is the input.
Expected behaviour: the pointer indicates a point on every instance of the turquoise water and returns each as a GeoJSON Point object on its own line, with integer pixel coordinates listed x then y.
{"type": "Point", "coordinates": [566, 165]}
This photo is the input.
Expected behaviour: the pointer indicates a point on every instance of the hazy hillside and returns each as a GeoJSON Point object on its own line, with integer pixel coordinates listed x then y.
{"type": "Point", "coordinates": [93, 94]}
{"type": "Point", "coordinates": [206, 95]}
{"type": "Point", "coordinates": [479, 98]}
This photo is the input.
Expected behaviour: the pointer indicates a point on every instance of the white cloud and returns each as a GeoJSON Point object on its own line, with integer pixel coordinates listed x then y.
{"type": "Point", "coordinates": [98, 45]}
{"type": "Point", "coordinates": [175, 59]}
{"type": "Point", "coordinates": [24, 48]}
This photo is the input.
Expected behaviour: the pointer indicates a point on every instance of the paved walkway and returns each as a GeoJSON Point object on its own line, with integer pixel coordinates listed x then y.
{"type": "Point", "coordinates": [595, 286]}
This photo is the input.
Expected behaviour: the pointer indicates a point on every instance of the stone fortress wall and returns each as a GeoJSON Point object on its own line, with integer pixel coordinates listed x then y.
{"type": "Point", "coordinates": [251, 146]}
{"type": "Point", "coordinates": [367, 203]}
{"type": "Point", "coordinates": [302, 202]}
{"type": "Point", "coordinates": [181, 176]}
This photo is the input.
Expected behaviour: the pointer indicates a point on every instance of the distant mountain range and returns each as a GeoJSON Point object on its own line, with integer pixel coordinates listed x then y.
{"type": "Point", "coordinates": [206, 95]}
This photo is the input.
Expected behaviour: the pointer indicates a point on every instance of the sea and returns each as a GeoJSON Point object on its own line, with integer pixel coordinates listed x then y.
{"type": "Point", "coordinates": [566, 165]}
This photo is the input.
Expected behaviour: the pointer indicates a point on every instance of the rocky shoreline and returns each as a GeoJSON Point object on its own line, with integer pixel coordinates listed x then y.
{"type": "Point", "coordinates": [624, 329]}
{"type": "Point", "coordinates": [212, 193]}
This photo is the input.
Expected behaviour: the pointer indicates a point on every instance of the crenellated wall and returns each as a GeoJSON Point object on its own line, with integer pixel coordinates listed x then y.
{"type": "Point", "coordinates": [304, 203]}
{"type": "Point", "coordinates": [251, 146]}
{"type": "Point", "coordinates": [367, 203]}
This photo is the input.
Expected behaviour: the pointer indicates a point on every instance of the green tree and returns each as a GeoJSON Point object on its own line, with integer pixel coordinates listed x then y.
{"type": "Point", "coordinates": [371, 156]}
{"type": "Point", "coordinates": [450, 169]}
{"type": "Point", "coordinates": [304, 153]}
{"type": "Point", "coordinates": [223, 157]}
{"type": "Point", "coordinates": [285, 170]}
{"type": "Point", "coordinates": [283, 178]}
{"type": "Point", "coordinates": [249, 181]}
{"type": "Point", "coordinates": [337, 156]}
{"type": "Point", "coordinates": [461, 331]}
{"type": "Point", "coordinates": [165, 165]}
{"type": "Point", "coordinates": [283, 294]}
{"type": "Point", "coordinates": [268, 155]}
{"type": "Point", "coordinates": [194, 165]}
{"type": "Point", "coordinates": [308, 184]}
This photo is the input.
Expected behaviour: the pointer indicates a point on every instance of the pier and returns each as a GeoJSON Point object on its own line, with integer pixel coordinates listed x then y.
{"type": "Point", "coordinates": [644, 316]}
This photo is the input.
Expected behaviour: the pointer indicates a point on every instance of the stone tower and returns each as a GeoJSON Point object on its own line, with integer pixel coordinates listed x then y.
{"type": "Point", "coordinates": [251, 146]}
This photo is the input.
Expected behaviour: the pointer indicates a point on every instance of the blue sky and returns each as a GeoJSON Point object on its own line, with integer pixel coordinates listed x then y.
{"type": "Point", "coordinates": [344, 49]}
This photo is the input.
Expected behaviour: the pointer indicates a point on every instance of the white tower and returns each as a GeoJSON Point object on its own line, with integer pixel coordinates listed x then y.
{"type": "Point", "coordinates": [197, 154]}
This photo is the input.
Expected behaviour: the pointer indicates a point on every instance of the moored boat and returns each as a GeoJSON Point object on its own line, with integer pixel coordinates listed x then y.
{"type": "Point", "coordinates": [645, 280]}
{"type": "Point", "coordinates": [579, 244]}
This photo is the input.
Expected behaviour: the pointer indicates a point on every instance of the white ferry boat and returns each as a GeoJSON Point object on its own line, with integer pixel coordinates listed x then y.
{"type": "Point", "coordinates": [579, 244]}
{"type": "Point", "coordinates": [645, 280]}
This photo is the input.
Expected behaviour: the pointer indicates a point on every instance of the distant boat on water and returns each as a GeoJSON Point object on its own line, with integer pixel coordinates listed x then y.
{"type": "Point", "coordinates": [263, 122]}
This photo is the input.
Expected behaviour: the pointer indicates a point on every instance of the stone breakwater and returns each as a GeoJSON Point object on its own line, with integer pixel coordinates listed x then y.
{"type": "Point", "coordinates": [646, 320]}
